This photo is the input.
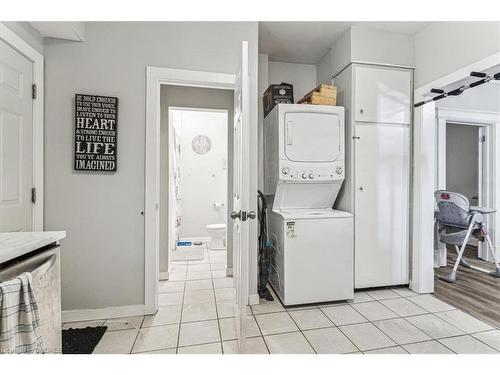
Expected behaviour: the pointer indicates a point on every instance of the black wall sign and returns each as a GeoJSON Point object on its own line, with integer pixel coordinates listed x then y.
{"type": "Point", "coordinates": [96, 125]}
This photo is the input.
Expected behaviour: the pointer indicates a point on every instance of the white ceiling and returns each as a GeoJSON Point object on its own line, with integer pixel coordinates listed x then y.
{"type": "Point", "coordinates": [61, 30]}
{"type": "Point", "coordinates": [308, 42]}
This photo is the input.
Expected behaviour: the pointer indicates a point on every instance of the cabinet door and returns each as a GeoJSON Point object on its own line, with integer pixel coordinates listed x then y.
{"type": "Point", "coordinates": [382, 95]}
{"type": "Point", "coordinates": [381, 205]}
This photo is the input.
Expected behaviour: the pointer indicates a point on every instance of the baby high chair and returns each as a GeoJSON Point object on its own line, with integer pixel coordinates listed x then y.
{"type": "Point", "coordinates": [457, 221]}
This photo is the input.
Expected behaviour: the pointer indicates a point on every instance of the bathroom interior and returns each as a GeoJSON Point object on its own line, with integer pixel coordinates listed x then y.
{"type": "Point", "coordinates": [198, 158]}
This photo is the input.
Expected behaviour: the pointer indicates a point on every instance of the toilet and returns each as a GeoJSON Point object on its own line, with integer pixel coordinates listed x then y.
{"type": "Point", "coordinates": [217, 234]}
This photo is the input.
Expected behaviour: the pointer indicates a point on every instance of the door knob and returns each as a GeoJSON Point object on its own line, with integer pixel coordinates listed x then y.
{"type": "Point", "coordinates": [251, 214]}
{"type": "Point", "coordinates": [235, 215]}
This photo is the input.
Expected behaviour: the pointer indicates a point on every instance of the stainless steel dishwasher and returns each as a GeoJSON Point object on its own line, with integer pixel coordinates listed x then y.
{"type": "Point", "coordinates": [44, 266]}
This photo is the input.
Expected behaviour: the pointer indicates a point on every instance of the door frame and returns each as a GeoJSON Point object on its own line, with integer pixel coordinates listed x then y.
{"type": "Point", "coordinates": [155, 77]}
{"type": "Point", "coordinates": [490, 121]}
{"type": "Point", "coordinates": [424, 176]}
{"type": "Point", "coordinates": [170, 149]}
{"type": "Point", "coordinates": [37, 59]}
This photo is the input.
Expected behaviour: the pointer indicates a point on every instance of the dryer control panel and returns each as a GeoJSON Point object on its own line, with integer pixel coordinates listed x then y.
{"type": "Point", "coordinates": [307, 173]}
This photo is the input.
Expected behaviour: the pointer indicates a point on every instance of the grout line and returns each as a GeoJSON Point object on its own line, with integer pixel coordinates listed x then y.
{"type": "Point", "coordinates": [260, 330]}
{"type": "Point", "coordinates": [293, 320]}
{"type": "Point", "coordinates": [215, 299]}
{"type": "Point", "coordinates": [471, 335]}
{"type": "Point", "coordinates": [371, 322]}
{"type": "Point", "coordinates": [135, 340]}
{"type": "Point", "coordinates": [447, 347]}
{"type": "Point", "coordinates": [342, 332]}
{"type": "Point", "coordinates": [182, 309]}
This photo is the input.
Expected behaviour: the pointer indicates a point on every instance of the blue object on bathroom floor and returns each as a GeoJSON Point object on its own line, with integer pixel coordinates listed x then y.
{"type": "Point", "coordinates": [184, 243]}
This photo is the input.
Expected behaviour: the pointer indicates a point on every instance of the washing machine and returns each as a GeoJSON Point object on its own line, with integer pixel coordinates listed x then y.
{"type": "Point", "coordinates": [311, 257]}
{"type": "Point", "coordinates": [312, 244]}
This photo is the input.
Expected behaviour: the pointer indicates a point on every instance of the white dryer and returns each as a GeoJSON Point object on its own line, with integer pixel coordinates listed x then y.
{"type": "Point", "coordinates": [304, 144]}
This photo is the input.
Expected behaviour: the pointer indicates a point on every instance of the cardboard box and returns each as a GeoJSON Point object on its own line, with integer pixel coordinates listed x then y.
{"type": "Point", "coordinates": [323, 95]}
{"type": "Point", "coordinates": [277, 94]}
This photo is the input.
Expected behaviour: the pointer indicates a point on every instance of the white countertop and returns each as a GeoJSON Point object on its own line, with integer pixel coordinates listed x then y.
{"type": "Point", "coordinates": [14, 244]}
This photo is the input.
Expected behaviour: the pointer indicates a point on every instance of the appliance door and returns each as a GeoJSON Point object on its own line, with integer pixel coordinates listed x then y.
{"type": "Point", "coordinates": [318, 260]}
{"type": "Point", "coordinates": [381, 210]}
{"type": "Point", "coordinates": [312, 137]}
{"type": "Point", "coordinates": [45, 271]}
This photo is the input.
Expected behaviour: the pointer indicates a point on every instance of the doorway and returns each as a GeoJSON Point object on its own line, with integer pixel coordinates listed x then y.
{"type": "Point", "coordinates": [243, 173]}
{"type": "Point", "coordinates": [466, 144]}
{"type": "Point", "coordinates": [465, 161]}
{"type": "Point", "coordinates": [198, 156]}
{"type": "Point", "coordinates": [466, 151]}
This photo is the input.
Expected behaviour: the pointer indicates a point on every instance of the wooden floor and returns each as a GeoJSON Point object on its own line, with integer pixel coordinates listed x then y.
{"type": "Point", "coordinates": [474, 292]}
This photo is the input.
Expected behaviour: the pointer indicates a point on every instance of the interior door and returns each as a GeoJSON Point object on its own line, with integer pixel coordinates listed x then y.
{"type": "Point", "coordinates": [381, 215]}
{"type": "Point", "coordinates": [16, 140]}
{"type": "Point", "coordinates": [241, 194]}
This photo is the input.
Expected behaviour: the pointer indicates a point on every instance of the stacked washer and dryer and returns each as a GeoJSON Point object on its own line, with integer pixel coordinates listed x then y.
{"type": "Point", "coordinates": [312, 244]}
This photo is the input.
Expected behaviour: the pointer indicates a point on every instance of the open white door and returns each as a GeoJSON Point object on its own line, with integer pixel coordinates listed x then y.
{"type": "Point", "coordinates": [241, 194]}
{"type": "Point", "coordinates": [16, 141]}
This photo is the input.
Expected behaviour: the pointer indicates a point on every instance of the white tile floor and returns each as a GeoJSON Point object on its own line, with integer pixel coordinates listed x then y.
{"type": "Point", "coordinates": [196, 316]}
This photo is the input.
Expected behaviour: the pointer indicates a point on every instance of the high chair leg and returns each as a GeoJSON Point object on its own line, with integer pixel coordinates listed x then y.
{"type": "Point", "coordinates": [452, 277]}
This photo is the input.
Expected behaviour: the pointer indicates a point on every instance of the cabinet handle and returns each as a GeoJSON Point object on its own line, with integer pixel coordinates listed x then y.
{"type": "Point", "coordinates": [361, 111]}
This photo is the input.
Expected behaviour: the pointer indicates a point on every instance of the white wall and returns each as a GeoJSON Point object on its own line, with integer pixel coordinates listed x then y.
{"type": "Point", "coordinates": [382, 47]}
{"type": "Point", "coordinates": [206, 171]}
{"type": "Point", "coordinates": [324, 69]}
{"type": "Point", "coordinates": [335, 60]}
{"type": "Point", "coordinates": [444, 47]}
{"type": "Point", "coordinates": [301, 76]}
{"type": "Point", "coordinates": [103, 255]}
{"type": "Point", "coordinates": [481, 98]}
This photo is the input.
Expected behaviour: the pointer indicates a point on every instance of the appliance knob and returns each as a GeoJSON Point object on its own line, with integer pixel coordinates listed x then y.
{"type": "Point", "coordinates": [311, 175]}
{"type": "Point", "coordinates": [285, 170]}
{"type": "Point", "coordinates": [339, 170]}
{"type": "Point", "coordinates": [304, 175]}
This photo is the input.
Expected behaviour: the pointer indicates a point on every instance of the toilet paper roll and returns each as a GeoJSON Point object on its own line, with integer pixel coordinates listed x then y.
{"type": "Point", "coordinates": [218, 205]}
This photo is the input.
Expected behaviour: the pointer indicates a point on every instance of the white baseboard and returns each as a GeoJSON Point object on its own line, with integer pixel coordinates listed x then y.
{"type": "Point", "coordinates": [164, 275]}
{"type": "Point", "coordinates": [104, 313]}
{"type": "Point", "coordinates": [229, 271]}
{"type": "Point", "coordinates": [253, 299]}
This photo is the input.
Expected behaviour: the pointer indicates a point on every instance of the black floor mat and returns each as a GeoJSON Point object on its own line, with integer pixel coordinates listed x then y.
{"type": "Point", "coordinates": [81, 340]}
